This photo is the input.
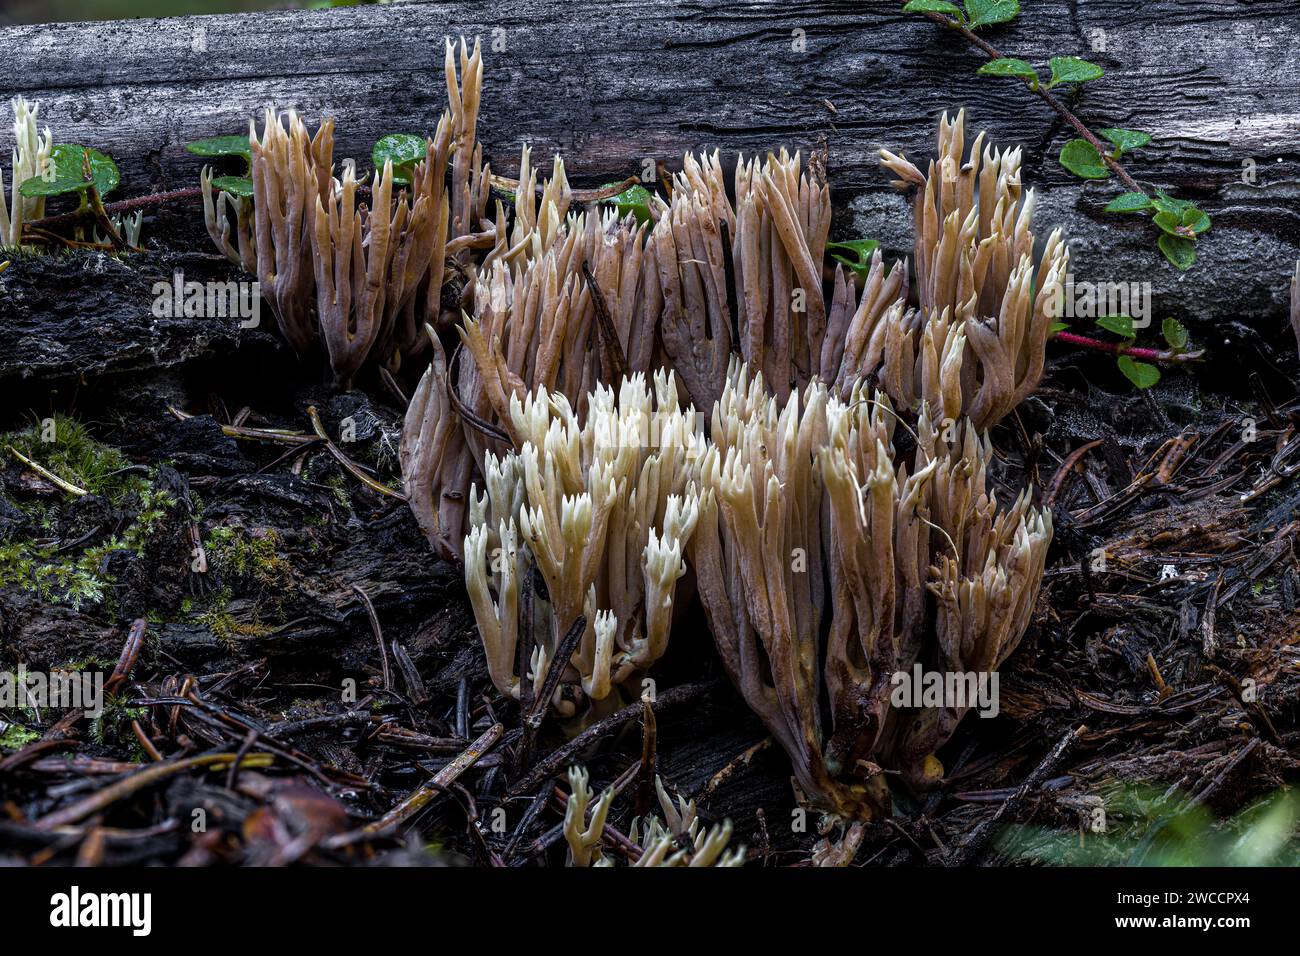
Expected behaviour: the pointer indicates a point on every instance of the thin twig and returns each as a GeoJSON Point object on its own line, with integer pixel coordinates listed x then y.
{"type": "Point", "coordinates": [348, 464]}
{"type": "Point", "coordinates": [379, 636]}
{"type": "Point", "coordinates": [114, 208]}
{"type": "Point", "coordinates": [973, 846]}
{"type": "Point", "coordinates": [440, 781]}
{"type": "Point", "coordinates": [45, 473]}
{"type": "Point", "coordinates": [537, 713]}
{"type": "Point", "coordinates": [559, 759]}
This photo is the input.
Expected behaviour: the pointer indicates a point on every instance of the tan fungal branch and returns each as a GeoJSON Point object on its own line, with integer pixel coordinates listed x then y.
{"type": "Point", "coordinates": [920, 562]}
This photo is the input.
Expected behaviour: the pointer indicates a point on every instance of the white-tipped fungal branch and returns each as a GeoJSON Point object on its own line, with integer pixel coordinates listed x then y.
{"type": "Point", "coordinates": [680, 842]}
{"type": "Point", "coordinates": [604, 510]}
{"type": "Point", "coordinates": [218, 205]}
{"type": "Point", "coordinates": [30, 160]}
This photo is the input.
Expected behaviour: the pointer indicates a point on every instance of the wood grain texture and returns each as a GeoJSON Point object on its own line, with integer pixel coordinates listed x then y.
{"type": "Point", "coordinates": [614, 83]}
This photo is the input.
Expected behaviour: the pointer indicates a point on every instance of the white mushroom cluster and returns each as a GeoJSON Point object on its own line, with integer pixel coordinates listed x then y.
{"type": "Point", "coordinates": [30, 160]}
{"type": "Point", "coordinates": [603, 509]}
{"type": "Point", "coordinates": [677, 841]}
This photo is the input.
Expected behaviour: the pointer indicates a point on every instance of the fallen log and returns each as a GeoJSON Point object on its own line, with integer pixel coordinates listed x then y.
{"type": "Point", "coordinates": [642, 82]}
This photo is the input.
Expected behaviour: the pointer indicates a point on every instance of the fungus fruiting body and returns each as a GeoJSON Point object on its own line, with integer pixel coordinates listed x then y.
{"type": "Point", "coordinates": [550, 448]}
{"type": "Point", "coordinates": [30, 160]}
{"type": "Point", "coordinates": [827, 564]}
{"type": "Point", "coordinates": [677, 840]}
{"type": "Point", "coordinates": [604, 510]}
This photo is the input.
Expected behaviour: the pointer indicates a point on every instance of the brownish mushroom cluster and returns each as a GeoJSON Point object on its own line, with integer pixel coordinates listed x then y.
{"type": "Point", "coordinates": [362, 278]}
{"type": "Point", "coordinates": [827, 564]}
{"type": "Point", "coordinates": [828, 559]}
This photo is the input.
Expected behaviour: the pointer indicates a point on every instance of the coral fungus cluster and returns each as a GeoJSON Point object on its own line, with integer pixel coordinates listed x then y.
{"type": "Point", "coordinates": [829, 504]}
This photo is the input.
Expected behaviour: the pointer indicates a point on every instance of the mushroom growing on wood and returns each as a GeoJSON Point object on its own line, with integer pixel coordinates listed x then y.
{"type": "Point", "coordinates": [291, 173]}
{"type": "Point", "coordinates": [679, 843]}
{"type": "Point", "coordinates": [975, 346]}
{"type": "Point", "coordinates": [369, 260]}
{"type": "Point", "coordinates": [31, 158]}
{"type": "Point", "coordinates": [745, 278]}
{"type": "Point", "coordinates": [980, 296]}
{"type": "Point", "coordinates": [437, 464]}
{"type": "Point", "coordinates": [604, 510]}
{"type": "Point", "coordinates": [827, 565]}
{"type": "Point", "coordinates": [216, 216]}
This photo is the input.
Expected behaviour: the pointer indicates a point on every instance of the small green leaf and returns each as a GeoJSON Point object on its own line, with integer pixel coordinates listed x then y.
{"type": "Point", "coordinates": [1058, 327]}
{"type": "Point", "coordinates": [1070, 69]}
{"type": "Point", "coordinates": [1121, 325]}
{"type": "Point", "coordinates": [1129, 202]}
{"type": "Point", "coordinates": [932, 6]}
{"type": "Point", "coordinates": [1175, 333]}
{"type": "Point", "coordinates": [635, 199]}
{"type": "Point", "coordinates": [1125, 139]}
{"type": "Point", "coordinates": [1189, 225]}
{"type": "Point", "coordinates": [1167, 203]}
{"type": "Point", "coordinates": [1140, 374]}
{"type": "Point", "coordinates": [983, 13]}
{"type": "Point", "coordinates": [1194, 221]}
{"type": "Point", "coordinates": [856, 254]}
{"type": "Point", "coordinates": [1179, 251]}
{"type": "Point", "coordinates": [1081, 158]}
{"type": "Point", "coordinates": [1009, 66]}
{"type": "Point", "coordinates": [222, 146]}
{"type": "Point", "coordinates": [67, 177]}
{"type": "Point", "coordinates": [404, 150]}
{"type": "Point", "coordinates": [1168, 222]}
{"type": "Point", "coordinates": [235, 185]}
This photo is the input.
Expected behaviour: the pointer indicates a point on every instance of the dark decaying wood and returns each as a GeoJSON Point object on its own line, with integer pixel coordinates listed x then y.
{"type": "Point", "coordinates": [617, 85]}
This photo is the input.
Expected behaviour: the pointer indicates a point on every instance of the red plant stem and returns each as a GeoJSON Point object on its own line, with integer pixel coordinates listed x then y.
{"type": "Point", "coordinates": [114, 208]}
{"type": "Point", "coordinates": [1117, 348]}
{"type": "Point", "coordinates": [1050, 100]}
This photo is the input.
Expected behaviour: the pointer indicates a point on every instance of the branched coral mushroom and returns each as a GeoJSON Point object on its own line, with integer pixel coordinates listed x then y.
{"type": "Point", "coordinates": [363, 277]}
{"type": "Point", "coordinates": [770, 245]}
{"type": "Point", "coordinates": [920, 564]}
{"type": "Point", "coordinates": [535, 317]}
{"type": "Point", "coordinates": [370, 259]}
{"type": "Point", "coordinates": [978, 289]}
{"type": "Point", "coordinates": [604, 509]}
{"type": "Point", "coordinates": [217, 205]}
{"type": "Point", "coordinates": [31, 157]}
{"type": "Point", "coordinates": [291, 172]}
{"type": "Point", "coordinates": [680, 842]}
{"type": "Point", "coordinates": [827, 563]}
{"type": "Point", "coordinates": [974, 346]}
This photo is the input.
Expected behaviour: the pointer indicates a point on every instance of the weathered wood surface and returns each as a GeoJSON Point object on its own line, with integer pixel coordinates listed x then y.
{"type": "Point", "coordinates": [613, 84]}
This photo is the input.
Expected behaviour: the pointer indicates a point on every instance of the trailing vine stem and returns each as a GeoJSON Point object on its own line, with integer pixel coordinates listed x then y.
{"type": "Point", "coordinates": [1170, 357]}
{"type": "Point", "coordinates": [115, 208]}
{"type": "Point", "coordinates": [992, 53]}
